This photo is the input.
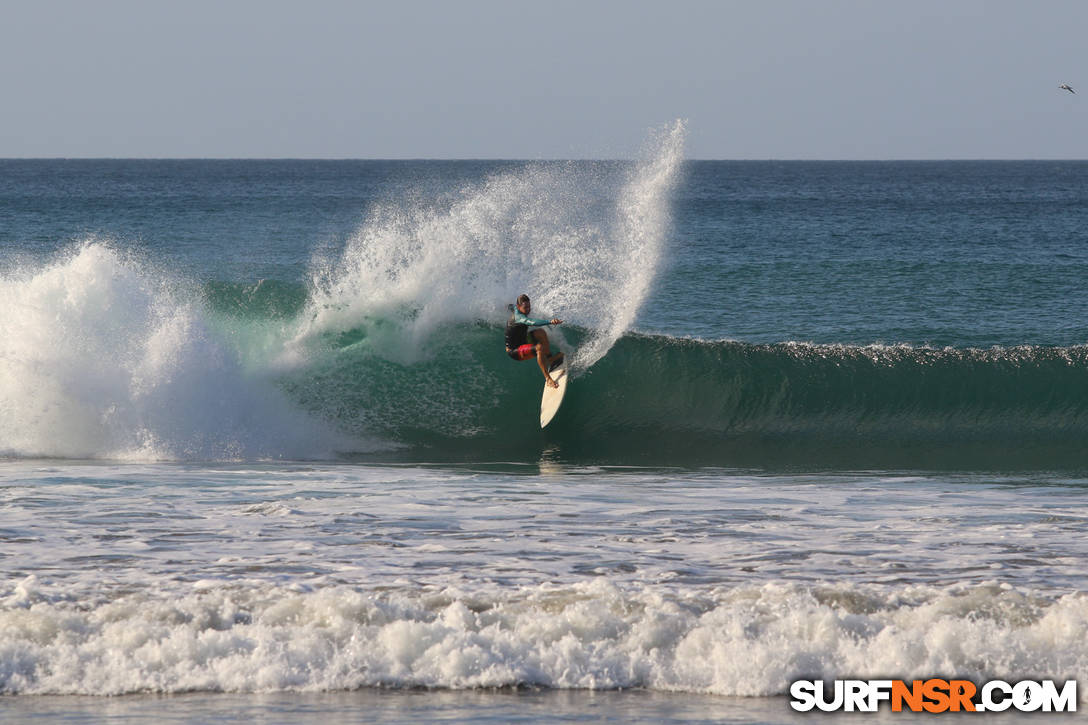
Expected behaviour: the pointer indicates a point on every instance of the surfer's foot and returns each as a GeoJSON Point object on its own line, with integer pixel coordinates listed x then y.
{"type": "Point", "coordinates": [552, 383]}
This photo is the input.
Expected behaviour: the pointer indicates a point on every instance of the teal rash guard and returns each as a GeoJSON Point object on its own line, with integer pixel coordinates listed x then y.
{"type": "Point", "coordinates": [517, 329]}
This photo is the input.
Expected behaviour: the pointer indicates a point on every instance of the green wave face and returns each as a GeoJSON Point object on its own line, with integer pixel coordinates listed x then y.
{"type": "Point", "coordinates": [658, 400]}
{"type": "Point", "coordinates": [130, 368]}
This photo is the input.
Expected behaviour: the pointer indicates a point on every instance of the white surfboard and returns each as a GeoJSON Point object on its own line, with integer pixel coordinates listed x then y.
{"type": "Point", "coordinates": [553, 397]}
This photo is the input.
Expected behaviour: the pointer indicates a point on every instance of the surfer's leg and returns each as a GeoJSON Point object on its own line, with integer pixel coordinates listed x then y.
{"type": "Point", "coordinates": [541, 338]}
{"type": "Point", "coordinates": [543, 359]}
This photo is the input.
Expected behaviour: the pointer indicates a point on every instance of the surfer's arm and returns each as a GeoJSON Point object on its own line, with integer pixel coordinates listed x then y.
{"type": "Point", "coordinates": [530, 321]}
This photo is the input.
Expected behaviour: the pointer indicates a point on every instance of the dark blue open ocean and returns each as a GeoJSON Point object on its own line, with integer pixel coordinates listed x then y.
{"type": "Point", "coordinates": [262, 454]}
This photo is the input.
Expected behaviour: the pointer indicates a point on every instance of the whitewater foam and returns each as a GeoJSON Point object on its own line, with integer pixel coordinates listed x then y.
{"type": "Point", "coordinates": [748, 640]}
{"type": "Point", "coordinates": [102, 356]}
{"type": "Point", "coordinates": [165, 578]}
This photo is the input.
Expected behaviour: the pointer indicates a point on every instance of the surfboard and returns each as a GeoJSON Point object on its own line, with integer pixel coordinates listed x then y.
{"type": "Point", "coordinates": [553, 397]}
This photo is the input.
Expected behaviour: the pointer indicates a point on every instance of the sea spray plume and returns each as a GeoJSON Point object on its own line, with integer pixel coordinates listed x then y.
{"type": "Point", "coordinates": [101, 357]}
{"type": "Point", "coordinates": [374, 348]}
{"type": "Point", "coordinates": [414, 268]}
{"type": "Point", "coordinates": [642, 221]}
{"type": "Point", "coordinates": [581, 239]}
{"type": "Point", "coordinates": [389, 342]}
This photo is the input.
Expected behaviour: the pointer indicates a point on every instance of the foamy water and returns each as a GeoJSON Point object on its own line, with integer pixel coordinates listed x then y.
{"type": "Point", "coordinates": [102, 356]}
{"type": "Point", "coordinates": [168, 579]}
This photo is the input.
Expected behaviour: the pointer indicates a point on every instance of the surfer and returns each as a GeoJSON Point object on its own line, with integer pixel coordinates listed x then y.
{"type": "Point", "coordinates": [523, 343]}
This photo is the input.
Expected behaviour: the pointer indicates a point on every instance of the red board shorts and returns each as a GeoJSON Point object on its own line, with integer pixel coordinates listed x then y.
{"type": "Point", "coordinates": [522, 352]}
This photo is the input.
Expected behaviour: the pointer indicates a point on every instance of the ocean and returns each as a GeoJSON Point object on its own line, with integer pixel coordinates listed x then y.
{"type": "Point", "coordinates": [263, 456]}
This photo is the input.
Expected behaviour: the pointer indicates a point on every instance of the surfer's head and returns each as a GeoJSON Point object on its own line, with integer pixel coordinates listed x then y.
{"type": "Point", "coordinates": [523, 304]}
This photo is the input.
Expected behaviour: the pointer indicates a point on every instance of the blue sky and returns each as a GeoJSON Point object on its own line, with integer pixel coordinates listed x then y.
{"type": "Point", "coordinates": [828, 79]}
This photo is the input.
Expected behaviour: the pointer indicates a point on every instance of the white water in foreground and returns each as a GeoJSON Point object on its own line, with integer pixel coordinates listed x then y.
{"type": "Point", "coordinates": [750, 641]}
{"type": "Point", "coordinates": [172, 579]}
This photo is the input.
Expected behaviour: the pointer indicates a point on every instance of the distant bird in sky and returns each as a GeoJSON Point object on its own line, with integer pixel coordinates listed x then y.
{"type": "Point", "coordinates": [1065, 87]}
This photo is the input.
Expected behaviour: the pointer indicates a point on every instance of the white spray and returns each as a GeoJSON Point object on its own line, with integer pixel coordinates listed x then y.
{"type": "Point", "coordinates": [582, 248]}
{"type": "Point", "coordinates": [101, 358]}
{"type": "Point", "coordinates": [628, 270]}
